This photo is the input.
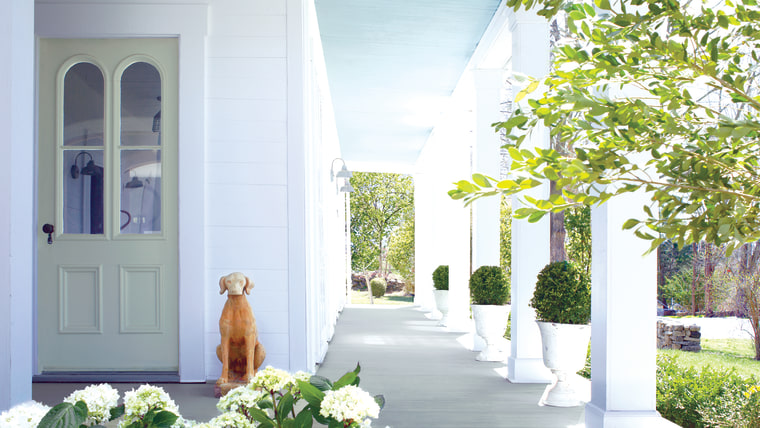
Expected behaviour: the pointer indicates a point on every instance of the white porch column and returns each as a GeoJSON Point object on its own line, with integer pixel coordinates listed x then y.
{"type": "Point", "coordinates": [486, 160]}
{"type": "Point", "coordinates": [424, 258]}
{"type": "Point", "coordinates": [452, 230]}
{"type": "Point", "coordinates": [16, 200]}
{"type": "Point", "coordinates": [623, 314]}
{"type": "Point", "coordinates": [530, 241]}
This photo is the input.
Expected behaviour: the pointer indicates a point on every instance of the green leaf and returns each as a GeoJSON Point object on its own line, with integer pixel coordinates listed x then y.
{"type": "Point", "coordinates": [165, 419]}
{"type": "Point", "coordinates": [603, 4]}
{"type": "Point", "coordinates": [285, 406]}
{"type": "Point", "coordinates": [466, 186]}
{"type": "Point", "coordinates": [63, 415]}
{"type": "Point", "coordinates": [507, 184]}
{"type": "Point", "coordinates": [260, 416]}
{"type": "Point", "coordinates": [346, 379]}
{"type": "Point", "coordinates": [116, 412]}
{"type": "Point", "coordinates": [481, 180]}
{"type": "Point", "coordinates": [304, 418]}
{"type": "Point", "coordinates": [322, 383]}
{"type": "Point", "coordinates": [515, 154]}
{"type": "Point", "coordinates": [380, 400]}
{"type": "Point", "coordinates": [311, 394]}
{"type": "Point", "coordinates": [630, 223]}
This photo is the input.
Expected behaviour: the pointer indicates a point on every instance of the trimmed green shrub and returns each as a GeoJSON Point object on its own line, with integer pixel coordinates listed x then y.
{"type": "Point", "coordinates": [379, 286]}
{"type": "Point", "coordinates": [441, 277]}
{"type": "Point", "coordinates": [489, 286]}
{"type": "Point", "coordinates": [706, 397]}
{"type": "Point", "coordinates": [562, 294]}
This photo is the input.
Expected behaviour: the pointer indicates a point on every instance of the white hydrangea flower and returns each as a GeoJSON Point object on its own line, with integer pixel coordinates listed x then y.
{"type": "Point", "coordinates": [231, 420]}
{"type": "Point", "coordinates": [138, 403]}
{"type": "Point", "coordinates": [100, 399]}
{"type": "Point", "coordinates": [272, 379]}
{"type": "Point", "coordinates": [239, 398]}
{"type": "Point", "coordinates": [302, 376]}
{"type": "Point", "coordinates": [349, 404]}
{"type": "Point", "coordinates": [24, 415]}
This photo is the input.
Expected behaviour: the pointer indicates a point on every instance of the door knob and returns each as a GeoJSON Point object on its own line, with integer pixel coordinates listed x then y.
{"type": "Point", "coordinates": [49, 229]}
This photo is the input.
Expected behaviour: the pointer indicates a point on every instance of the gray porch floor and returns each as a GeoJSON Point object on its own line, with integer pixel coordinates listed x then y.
{"type": "Point", "coordinates": [426, 376]}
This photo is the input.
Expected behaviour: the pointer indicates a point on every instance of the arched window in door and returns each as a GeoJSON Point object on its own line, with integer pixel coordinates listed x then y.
{"type": "Point", "coordinates": [83, 167]}
{"type": "Point", "coordinates": [140, 149]}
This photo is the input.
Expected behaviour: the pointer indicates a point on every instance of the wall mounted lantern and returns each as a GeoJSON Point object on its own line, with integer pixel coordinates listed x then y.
{"type": "Point", "coordinates": [343, 173]}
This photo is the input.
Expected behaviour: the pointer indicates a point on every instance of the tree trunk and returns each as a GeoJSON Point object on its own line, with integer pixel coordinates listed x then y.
{"type": "Point", "coordinates": [710, 263]}
{"type": "Point", "coordinates": [694, 279]}
{"type": "Point", "coordinates": [369, 288]}
{"type": "Point", "coordinates": [557, 233]}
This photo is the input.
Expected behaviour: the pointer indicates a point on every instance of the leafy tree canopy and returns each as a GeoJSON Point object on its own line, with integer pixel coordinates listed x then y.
{"type": "Point", "coordinates": [379, 204]}
{"type": "Point", "coordinates": [659, 95]}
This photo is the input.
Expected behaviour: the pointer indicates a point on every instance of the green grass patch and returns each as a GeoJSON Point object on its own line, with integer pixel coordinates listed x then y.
{"type": "Point", "coordinates": [362, 298]}
{"type": "Point", "coordinates": [720, 354]}
{"type": "Point", "coordinates": [739, 348]}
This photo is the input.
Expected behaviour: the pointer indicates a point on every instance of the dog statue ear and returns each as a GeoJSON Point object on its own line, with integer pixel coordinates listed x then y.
{"type": "Point", "coordinates": [222, 286]}
{"type": "Point", "coordinates": [248, 285]}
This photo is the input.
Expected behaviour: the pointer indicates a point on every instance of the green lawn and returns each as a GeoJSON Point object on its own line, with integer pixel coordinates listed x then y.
{"type": "Point", "coordinates": [724, 354]}
{"type": "Point", "coordinates": [362, 297]}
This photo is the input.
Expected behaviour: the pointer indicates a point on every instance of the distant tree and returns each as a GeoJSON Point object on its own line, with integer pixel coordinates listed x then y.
{"type": "Point", "coordinates": [401, 252]}
{"type": "Point", "coordinates": [578, 226]}
{"type": "Point", "coordinates": [379, 204]}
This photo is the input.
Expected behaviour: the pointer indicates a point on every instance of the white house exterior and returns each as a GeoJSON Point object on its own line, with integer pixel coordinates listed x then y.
{"type": "Point", "coordinates": [255, 192]}
{"type": "Point", "coordinates": [256, 148]}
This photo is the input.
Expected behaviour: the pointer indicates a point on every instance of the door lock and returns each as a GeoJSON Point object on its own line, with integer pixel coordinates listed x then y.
{"type": "Point", "coordinates": [49, 229]}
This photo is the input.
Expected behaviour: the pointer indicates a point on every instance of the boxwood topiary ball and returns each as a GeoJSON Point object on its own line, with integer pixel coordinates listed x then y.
{"type": "Point", "coordinates": [489, 286]}
{"type": "Point", "coordinates": [378, 286]}
{"type": "Point", "coordinates": [562, 294]}
{"type": "Point", "coordinates": [441, 277]}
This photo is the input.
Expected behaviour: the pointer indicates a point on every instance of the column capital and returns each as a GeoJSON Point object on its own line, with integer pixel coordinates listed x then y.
{"type": "Point", "coordinates": [524, 17]}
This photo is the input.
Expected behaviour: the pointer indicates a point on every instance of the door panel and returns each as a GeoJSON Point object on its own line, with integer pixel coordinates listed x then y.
{"type": "Point", "coordinates": [108, 284]}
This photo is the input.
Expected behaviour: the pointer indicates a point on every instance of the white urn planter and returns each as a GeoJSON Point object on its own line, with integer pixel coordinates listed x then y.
{"type": "Point", "coordinates": [565, 347]}
{"type": "Point", "coordinates": [442, 304]}
{"type": "Point", "coordinates": [490, 324]}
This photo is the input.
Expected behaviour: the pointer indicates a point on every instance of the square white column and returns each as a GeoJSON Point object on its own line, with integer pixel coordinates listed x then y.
{"type": "Point", "coordinates": [623, 321]}
{"type": "Point", "coordinates": [530, 241]}
{"type": "Point", "coordinates": [17, 230]}
{"type": "Point", "coordinates": [486, 160]}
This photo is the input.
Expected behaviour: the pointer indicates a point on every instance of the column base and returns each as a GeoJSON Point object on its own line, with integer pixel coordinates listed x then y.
{"type": "Point", "coordinates": [599, 418]}
{"type": "Point", "coordinates": [528, 370]}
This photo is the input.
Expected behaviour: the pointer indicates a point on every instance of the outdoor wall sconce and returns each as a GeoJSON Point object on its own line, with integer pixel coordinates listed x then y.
{"type": "Point", "coordinates": [344, 173]}
{"type": "Point", "coordinates": [88, 169]}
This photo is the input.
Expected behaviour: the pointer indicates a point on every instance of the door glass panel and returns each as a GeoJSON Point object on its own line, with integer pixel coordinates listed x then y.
{"type": "Point", "coordinates": [83, 106]}
{"type": "Point", "coordinates": [83, 191]}
{"type": "Point", "coordinates": [140, 105]}
{"type": "Point", "coordinates": [140, 191]}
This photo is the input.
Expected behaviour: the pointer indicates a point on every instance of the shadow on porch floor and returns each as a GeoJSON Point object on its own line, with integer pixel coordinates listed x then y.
{"type": "Point", "coordinates": [426, 376]}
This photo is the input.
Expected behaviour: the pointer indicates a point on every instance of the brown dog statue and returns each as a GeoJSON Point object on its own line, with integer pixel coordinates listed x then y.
{"type": "Point", "coordinates": [241, 353]}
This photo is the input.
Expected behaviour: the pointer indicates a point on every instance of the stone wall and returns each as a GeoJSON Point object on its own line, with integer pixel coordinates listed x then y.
{"type": "Point", "coordinates": [672, 334]}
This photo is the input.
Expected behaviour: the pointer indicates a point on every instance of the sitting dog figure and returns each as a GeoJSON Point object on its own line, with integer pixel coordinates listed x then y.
{"type": "Point", "coordinates": [241, 353]}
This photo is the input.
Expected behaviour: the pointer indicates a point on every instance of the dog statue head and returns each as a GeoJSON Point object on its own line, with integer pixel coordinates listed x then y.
{"type": "Point", "coordinates": [235, 284]}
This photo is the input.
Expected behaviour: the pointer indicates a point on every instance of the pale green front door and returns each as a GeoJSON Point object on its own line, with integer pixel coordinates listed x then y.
{"type": "Point", "coordinates": [107, 283]}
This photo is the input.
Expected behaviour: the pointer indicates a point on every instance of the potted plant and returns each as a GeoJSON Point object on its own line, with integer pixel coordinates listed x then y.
{"type": "Point", "coordinates": [489, 290]}
{"type": "Point", "coordinates": [441, 292]}
{"type": "Point", "coordinates": [562, 300]}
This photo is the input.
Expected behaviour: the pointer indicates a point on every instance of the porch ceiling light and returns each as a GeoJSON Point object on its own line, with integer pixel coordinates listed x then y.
{"type": "Point", "coordinates": [343, 173]}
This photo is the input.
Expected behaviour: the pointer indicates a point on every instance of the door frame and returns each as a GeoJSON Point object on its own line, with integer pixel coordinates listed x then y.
{"type": "Point", "coordinates": [90, 20]}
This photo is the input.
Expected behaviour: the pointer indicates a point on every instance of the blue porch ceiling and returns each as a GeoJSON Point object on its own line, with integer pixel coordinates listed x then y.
{"type": "Point", "coordinates": [391, 67]}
